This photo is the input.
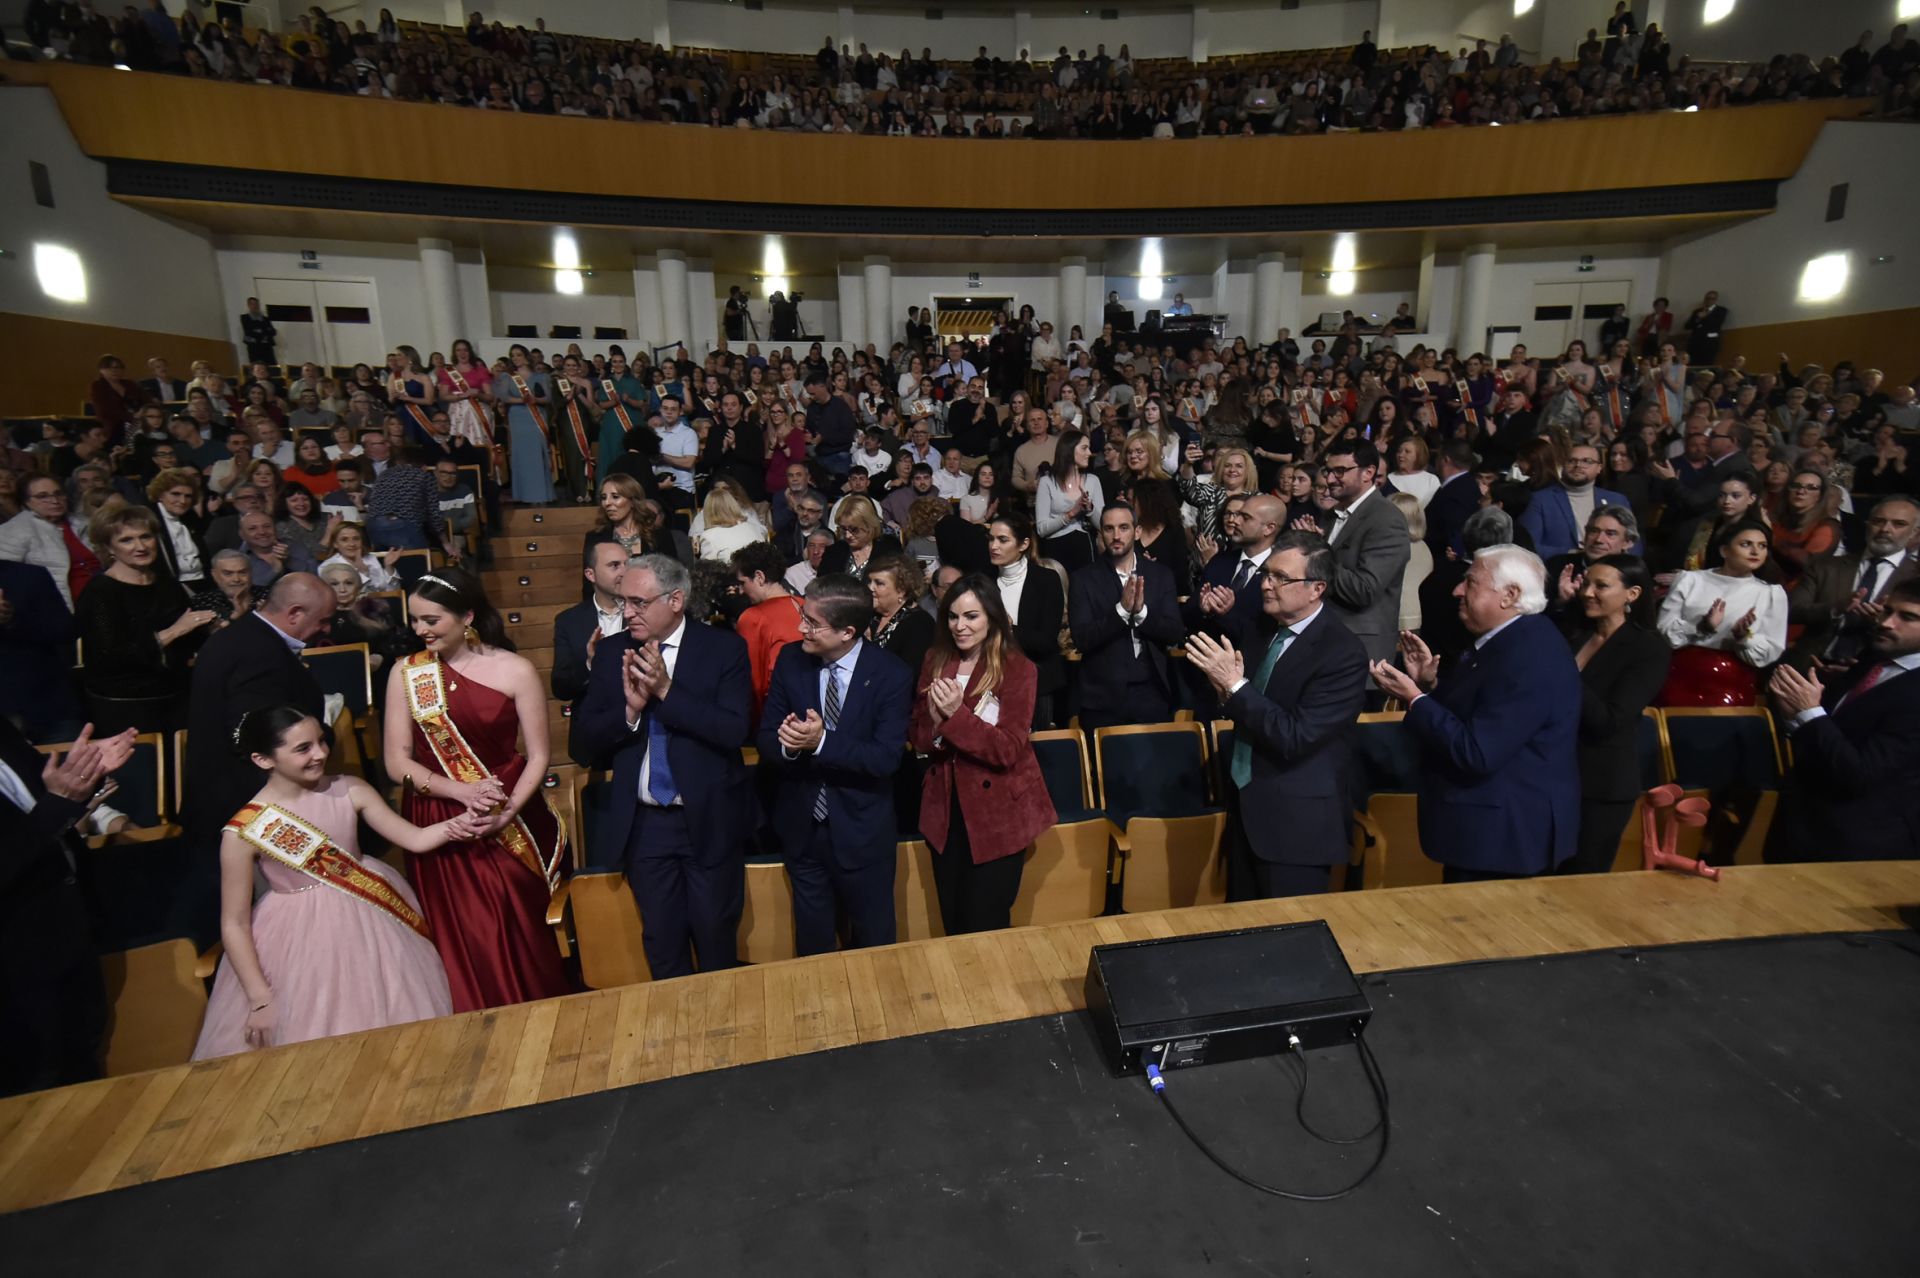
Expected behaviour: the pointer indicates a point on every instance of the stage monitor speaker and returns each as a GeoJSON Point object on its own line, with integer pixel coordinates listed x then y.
{"type": "Point", "coordinates": [1220, 996]}
{"type": "Point", "coordinates": [564, 331]}
{"type": "Point", "coordinates": [523, 330]}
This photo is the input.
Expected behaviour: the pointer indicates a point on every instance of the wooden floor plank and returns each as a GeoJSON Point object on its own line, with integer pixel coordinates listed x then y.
{"type": "Point", "coordinates": [132, 1130]}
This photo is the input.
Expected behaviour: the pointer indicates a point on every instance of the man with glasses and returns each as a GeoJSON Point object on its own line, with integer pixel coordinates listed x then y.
{"type": "Point", "coordinates": [1558, 512]}
{"type": "Point", "coordinates": [833, 731]}
{"type": "Point", "coordinates": [668, 706]}
{"type": "Point", "coordinates": [1689, 498]}
{"type": "Point", "coordinates": [1840, 599]}
{"type": "Point", "coordinates": [809, 517]}
{"type": "Point", "coordinates": [1368, 535]}
{"type": "Point", "coordinates": [1293, 722]}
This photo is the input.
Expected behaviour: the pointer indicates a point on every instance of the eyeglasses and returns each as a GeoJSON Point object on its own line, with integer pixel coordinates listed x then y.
{"type": "Point", "coordinates": [633, 604]}
{"type": "Point", "coordinates": [1803, 488]}
{"type": "Point", "coordinates": [1335, 472]}
{"type": "Point", "coordinates": [808, 626]}
{"type": "Point", "coordinates": [1281, 579]}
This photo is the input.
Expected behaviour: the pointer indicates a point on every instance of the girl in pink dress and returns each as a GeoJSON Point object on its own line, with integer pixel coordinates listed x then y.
{"type": "Point", "coordinates": [337, 944]}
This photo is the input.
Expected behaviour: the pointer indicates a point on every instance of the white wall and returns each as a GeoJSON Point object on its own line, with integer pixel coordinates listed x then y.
{"type": "Point", "coordinates": [1259, 27]}
{"type": "Point", "coordinates": [1758, 29]}
{"type": "Point", "coordinates": [525, 295]}
{"type": "Point", "coordinates": [143, 272]}
{"type": "Point", "coordinates": [1881, 200]}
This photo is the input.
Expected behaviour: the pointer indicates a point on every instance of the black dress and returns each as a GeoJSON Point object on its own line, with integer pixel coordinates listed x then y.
{"type": "Point", "coordinates": [1620, 681]}
{"type": "Point", "coordinates": [130, 680]}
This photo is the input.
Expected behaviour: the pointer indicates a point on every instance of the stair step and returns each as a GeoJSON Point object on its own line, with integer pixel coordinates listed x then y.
{"type": "Point", "coordinates": [522, 521]}
{"type": "Point", "coordinates": [548, 550]}
{"type": "Point", "coordinates": [538, 574]}
{"type": "Point", "coordinates": [533, 621]}
{"type": "Point", "coordinates": [557, 592]}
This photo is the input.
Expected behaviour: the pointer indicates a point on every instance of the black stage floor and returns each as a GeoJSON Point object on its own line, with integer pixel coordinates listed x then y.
{"type": "Point", "coordinates": [1740, 1109]}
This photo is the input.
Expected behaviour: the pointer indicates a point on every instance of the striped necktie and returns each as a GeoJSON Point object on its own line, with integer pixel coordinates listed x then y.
{"type": "Point", "coordinates": [832, 718]}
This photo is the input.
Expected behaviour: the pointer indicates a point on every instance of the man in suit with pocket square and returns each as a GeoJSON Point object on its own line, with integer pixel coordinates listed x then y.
{"type": "Point", "coordinates": [834, 730]}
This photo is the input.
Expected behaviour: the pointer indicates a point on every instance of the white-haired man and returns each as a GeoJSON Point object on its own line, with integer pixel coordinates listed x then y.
{"type": "Point", "coordinates": [1500, 777]}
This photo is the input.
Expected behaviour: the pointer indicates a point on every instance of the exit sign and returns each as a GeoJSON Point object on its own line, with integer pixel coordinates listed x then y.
{"type": "Point", "coordinates": [973, 279]}
{"type": "Point", "coordinates": [1586, 262]}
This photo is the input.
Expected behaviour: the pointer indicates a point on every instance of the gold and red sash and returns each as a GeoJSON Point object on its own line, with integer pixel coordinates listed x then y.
{"type": "Point", "coordinates": [619, 405]}
{"type": "Point", "coordinates": [1468, 413]}
{"type": "Point", "coordinates": [1615, 411]}
{"type": "Point", "coordinates": [578, 425]}
{"type": "Point", "coordinates": [427, 703]}
{"type": "Point", "coordinates": [416, 414]}
{"type": "Point", "coordinates": [468, 424]}
{"type": "Point", "coordinates": [298, 844]}
{"type": "Point", "coordinates": [1660, 393]}
{"type": "Point", "coordinates": [533, 408]}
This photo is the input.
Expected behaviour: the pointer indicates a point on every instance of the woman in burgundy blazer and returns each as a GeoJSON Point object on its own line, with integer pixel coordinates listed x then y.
{"type": "Point", "coordinates": [984, 800]}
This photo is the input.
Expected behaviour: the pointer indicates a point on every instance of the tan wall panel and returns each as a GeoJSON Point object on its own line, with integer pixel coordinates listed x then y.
{"type": "Point", "coordinates": [1886, 340]}
{"type": "Point", "coordinates": [51, 363]}
{"type": "Point", "coordinates": [240, 126]}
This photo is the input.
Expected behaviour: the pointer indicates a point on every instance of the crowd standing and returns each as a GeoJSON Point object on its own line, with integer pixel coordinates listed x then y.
{"type": "Point", "coordinates": [883, 570]}
{"type": "Point", "coordinates": [1619, 68]}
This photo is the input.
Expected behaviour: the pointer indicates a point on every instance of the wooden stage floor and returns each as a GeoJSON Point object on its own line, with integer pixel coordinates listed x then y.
{"type": "Point", "coordinates": [126, 1131]}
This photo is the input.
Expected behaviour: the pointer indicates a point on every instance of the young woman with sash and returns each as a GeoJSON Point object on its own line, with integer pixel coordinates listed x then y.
{"type": "Point", "coordinates": [453, 715]}
{"type": "Point", "coordinates": [337, 944]}
{"type": "Point", "coordinates": [410, 389]}
{"type": "Point", "coordinates": [621, 401]}
{"type": "Point", "coordinates": [526, 391]}
{"type": "Point", "coordinates": [1618, 380]}
{"type": "Point", "coordinates": [464, 387]}
{"type": "Point", "coordinates": [573, 390]}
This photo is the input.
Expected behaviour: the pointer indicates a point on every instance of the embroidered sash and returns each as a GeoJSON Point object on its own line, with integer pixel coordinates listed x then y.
{"type": "Point", "coordinates": [578, 426]}
{"type": "Point", "coordinates": [412, 411]}
{"type": "Point", "coordinates": [427, 703]}
{"type": "Point", "coordinates": [465, 414]}
{"type": "Point", "coordinates": [1468, 413]}
{"type": "Point", "coordinates": [1660, 393]}
{"type": "Point", "coordinates": [300, 845]}
{"type": "Point", "coordinates": [533, 409]}
{"type": "Point", "coordinates": [619, 405]}
{"type": "Point", "coordinates": [1615, 411]}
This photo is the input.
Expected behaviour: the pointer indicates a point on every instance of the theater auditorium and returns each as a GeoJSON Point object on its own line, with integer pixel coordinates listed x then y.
{"type": "Point", "coordinates": [1001, 637]}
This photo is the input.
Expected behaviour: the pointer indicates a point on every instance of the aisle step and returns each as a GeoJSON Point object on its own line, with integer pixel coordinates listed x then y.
{"type": "Point", "coordinates": [522, 521]}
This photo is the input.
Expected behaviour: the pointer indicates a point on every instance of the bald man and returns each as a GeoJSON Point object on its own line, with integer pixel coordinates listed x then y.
{"type": "Point", "coordinates": [1227, 600]}
{"type": "Point", "coordinates": [252, 664]}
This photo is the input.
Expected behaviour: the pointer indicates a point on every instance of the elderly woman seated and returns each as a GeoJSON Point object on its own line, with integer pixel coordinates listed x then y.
{"type": "Point", "coordinates": [362, 619]}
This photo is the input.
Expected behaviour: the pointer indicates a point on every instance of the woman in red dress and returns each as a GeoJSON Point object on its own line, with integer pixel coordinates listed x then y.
{"type": "Point", "coordinates": [453, 714]}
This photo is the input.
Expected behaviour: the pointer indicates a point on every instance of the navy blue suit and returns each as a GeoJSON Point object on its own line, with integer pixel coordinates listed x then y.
{"type": "Point", "coordinates": [1242, 622]}
{"type": "Point", "coordinates": [1549, 519]}
{"type": "Point", "coordinates": [844, 864]}
{"type": "Point", "coordinates": [1850, 796]}
{"type": "Point", "coordinates": [1500, 774]}
{"type": "Point", "coordinates": [1448, 512]}
{"type": "Point", "coordinates": [687, 863]}
{"type": "Point", "coordinates": [37, 649]}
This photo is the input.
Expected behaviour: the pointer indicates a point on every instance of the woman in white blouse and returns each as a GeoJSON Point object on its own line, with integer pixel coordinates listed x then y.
{"type": "Point", "coordinates": [1067, 503]}
{"type": "Point", "coordinates": [1410, 474]}
{"type": "Point", "coordinates": [349, 545]}
{"type": "Point", "coordinates": [1725, 625]}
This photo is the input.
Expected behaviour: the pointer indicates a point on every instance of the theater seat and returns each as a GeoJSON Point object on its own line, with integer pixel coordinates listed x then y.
{"type": "Point", "coordinates": [1388, 762]}
{"type": "Point", "coordinates": [1730, 754]}
{"type": "Point", "coordinates": [1369, 845]}
{"type": "Point", "coordinates": [766, 926]}
{"type": "Point", "coordinates": [156, 999]}
{"type": "Point", "coordinates": [916, 907]}
{"type": "Point", "coordinates": [1069, 866]}
{"type": "Point", "coordinates": [1154, 789]}
{"type": "Point", "coordinates": [598, 910]}
{"type": "Point", "coordinates": [1649, 745]}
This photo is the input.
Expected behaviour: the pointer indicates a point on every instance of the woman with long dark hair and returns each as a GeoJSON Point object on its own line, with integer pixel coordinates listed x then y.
{"type": "Point", "coordinates": [1623, 663]}
{"type": "Point", "coordinates": [1726, 623]}
{"type": "Point", "coordinates": [1032, 596]}
{"type": "Point", "coordinates": [1068, 502]}
{"type": "Point", "coordinates": [454, 714]}
{"type": "Point", "coordinates": [984, 799]}
{"type": "Point", "coordinates": [1807, 526]}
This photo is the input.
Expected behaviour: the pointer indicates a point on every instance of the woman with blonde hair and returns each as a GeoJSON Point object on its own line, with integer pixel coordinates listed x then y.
{"type": "Point", "coordinates": [348, 542]}
{"type": "Point", "coordinates": [135, 626]}
{"type": "Point", "coordinates": [1410, 474]}
{"type": "Point", "coordinates": [725, 525]}
{"type": "Point", "coordinates": [860, 541]}
{"type": "Point", "coordinates": [1419, 559]}
{"type": "Point", "coordinates": [624, 514]}
{"type": "Point", "coordinates": [1234, 475]}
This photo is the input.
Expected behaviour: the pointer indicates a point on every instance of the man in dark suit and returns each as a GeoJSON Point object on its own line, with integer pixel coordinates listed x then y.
{"type": "Point", "coordinates": [1454, 501]}
{"type": "Point", "coordinates": [668, 706]}
{"type": "Point", "coordinates": [1499, 734]}
{"type": "Point", "coordinates": [1856, 746]}
{"type": "Point", "coordinates": [1512, 424]}
{"type": "Point", "coordinates": [1840, 599]}
{"type": "Point", "coordinates": [253, 664]}
{"type": "Point", "coordinates": [1704, 327]}
{"type": "Point", "coordinates": [834, 731]}
{"type": "Point", "coordinates": [1370, 547]}
{"type": "Point", "coordinates": [1227, 602]}
{"type": "Point", "coordinates": [51, 997]}
{"type": "Point", "coordinates": [162, 387]}
{"type": "Point", "coordinates": [1558, 514]}
{"type": "Point", "coordinates": [36, 650]}
{"type": "Point", "coordinates": [1693, 499]}
{"type": "Point", "coordinates": [1293, 717]}
{"type": "Point", "coordinates": [1124, 616]}
{"type": "Point", "coordinates": [577, 632]}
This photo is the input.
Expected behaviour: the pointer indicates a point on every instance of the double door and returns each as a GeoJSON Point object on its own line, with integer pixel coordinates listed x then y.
{"type": "Point", "coordinates": [330, 322]}
{"type": "Point", "coordinates": [1561, 313]}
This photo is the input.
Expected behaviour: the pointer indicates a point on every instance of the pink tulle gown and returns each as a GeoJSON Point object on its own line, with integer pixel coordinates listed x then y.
{"type": "Point", "coordinates": [336, 963]}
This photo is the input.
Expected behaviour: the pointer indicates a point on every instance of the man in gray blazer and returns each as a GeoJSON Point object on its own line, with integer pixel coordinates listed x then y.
{"type": "Point", "coordinates": [1371, 546]}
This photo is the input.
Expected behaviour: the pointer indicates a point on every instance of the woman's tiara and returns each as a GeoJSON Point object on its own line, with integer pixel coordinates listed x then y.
{"type": "Point", "coordinates": [439, 581]}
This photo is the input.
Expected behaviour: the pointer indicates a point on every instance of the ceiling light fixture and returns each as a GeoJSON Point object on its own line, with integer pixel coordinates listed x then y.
{"type": "Point", "coordinates": [568, 281]}
{"type": "Point", "coordinates": [1824, 278]}
{"type": "Point", "coordinates": [566, 251]}
{"type": "Point", "coordinates": [63, 277]}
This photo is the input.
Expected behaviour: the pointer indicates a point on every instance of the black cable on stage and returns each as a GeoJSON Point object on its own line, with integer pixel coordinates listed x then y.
{"type": "Point", "coordinates": [1300, 1108]}
{"type": "Point", "coordinates": [1157, 1080]}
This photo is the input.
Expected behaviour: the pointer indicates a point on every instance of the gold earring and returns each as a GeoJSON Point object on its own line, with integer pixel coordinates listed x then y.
{"type": "Point", "coordinates": [473, 637]}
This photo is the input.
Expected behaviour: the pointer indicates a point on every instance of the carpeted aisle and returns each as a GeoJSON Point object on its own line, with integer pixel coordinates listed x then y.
{"type": "Point", "coordinates": [1746, 1108]}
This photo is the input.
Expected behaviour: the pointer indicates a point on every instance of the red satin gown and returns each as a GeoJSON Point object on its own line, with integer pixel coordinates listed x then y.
{"type": "Point", "coordinates": [488, 909]}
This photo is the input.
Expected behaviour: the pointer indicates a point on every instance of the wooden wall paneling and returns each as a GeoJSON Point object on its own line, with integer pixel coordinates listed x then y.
{"type": "Point", "coordinates": [51, 362]}
{"type": "Point", "coordinates": [1886, 340]}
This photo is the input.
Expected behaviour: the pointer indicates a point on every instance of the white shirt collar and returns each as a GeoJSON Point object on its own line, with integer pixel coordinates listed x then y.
{"type": "Point", "coordinates": [848, 659]}
{"type": "Point", "coordinates": [1299, 626]}
{"type": "Point", "coordinates": [1364, 494]}
{"type": "Point", "coordinates": [1909, 662]}
{"type": "Point", "coordinates": [1487, 638]}
{"type": "Point", "coordinates": [296, 645]}
{"type": "Point", "coordinates": [1258, 561]}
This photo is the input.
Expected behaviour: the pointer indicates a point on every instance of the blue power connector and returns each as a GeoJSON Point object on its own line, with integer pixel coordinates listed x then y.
{"type": "Point", "coordinates": [1158, 1083]}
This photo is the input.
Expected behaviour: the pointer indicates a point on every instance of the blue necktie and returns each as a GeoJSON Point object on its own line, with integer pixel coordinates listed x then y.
{"type": "Point", "coordinates": [1242, 769]}
{"type": "Point", "coordinates": [660, 784]}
